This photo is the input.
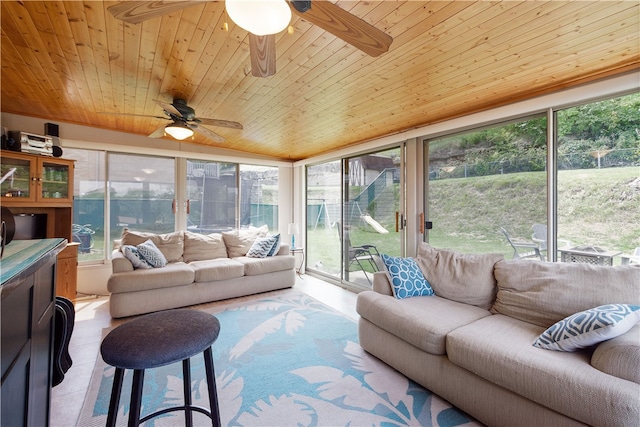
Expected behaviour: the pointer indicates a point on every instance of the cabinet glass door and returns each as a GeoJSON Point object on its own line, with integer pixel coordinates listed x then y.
{"type": "Point", "coordinates": [55, 179]}
{"type": "Point", "coordinates": [16, 177]}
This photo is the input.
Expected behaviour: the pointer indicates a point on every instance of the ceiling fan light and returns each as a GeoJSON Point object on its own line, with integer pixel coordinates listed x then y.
{"type": "Point", "coordinates": [178, 131]}
{"type": "Point", "coordinates": [260, 17]}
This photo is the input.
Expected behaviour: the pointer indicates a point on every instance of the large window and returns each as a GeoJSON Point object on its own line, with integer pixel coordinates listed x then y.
{"type": "Point", "coordinates": [212, 194]}
{"type": "Point", "coordinates": [142, 193]}
{"type": "Point", "coordinates": [89, 203]}
{"type": "Point", "coordinates": [599, 179]}
{"type": "Point", "coordinates": [487, 189]}
{"type": "Point", "coordinates": [259, 196]}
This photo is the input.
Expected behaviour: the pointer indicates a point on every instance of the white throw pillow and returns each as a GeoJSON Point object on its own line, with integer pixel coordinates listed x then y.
{"type": "Point", "coordinates": [589, 327]}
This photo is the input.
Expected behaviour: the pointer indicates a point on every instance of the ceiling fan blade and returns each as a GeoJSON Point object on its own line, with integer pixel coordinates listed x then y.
{"type": "Point", "coordinates": [263, 55]}
{"type": "Point", "coordinates": [135, 12]}
{"type": "Point", "coordinates": [169, 108]}
{"type": "Point", "coordinates": [158, 133]}
{"type": "Point", "coordinates": [344, 25]}
{"type": "Point", "coordinates": [207, 133]}
{"type": "Point", "coordinates": [222, 123]}
{"type": "Point", "coordinates": [133, 115]}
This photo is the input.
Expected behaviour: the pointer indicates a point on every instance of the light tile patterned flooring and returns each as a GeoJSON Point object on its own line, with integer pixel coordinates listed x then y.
{"type": "Point", "coordinates": [92, 316]}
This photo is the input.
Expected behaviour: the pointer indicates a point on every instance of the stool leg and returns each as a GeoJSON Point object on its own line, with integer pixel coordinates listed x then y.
{"type": "Point", "coordinates": [115, 397]}
{"type": "Point", "coordinates": [186, 375]}
{"type": "Point", "coordinates": [136, 398]}
{"type": "Point", "coordinates": [211, 384]}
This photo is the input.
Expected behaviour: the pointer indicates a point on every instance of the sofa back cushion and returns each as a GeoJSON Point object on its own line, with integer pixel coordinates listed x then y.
{"type": "Point", "coordinates": [544, 293]}
{"type": "Point", "coordinates": [238, 242]}
{"type": "Point", "coordinates": [465, 278]}
{"type": "Point", "coordinates": [170, 244]}
{"type": "Point", "coordinates": [200, 247]}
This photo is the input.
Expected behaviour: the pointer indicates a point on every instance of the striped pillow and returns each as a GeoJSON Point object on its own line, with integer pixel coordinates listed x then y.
{"type": "Point", "coordinates": [589, 327]}
{"type": "Point", "coordinates": [263, 246]}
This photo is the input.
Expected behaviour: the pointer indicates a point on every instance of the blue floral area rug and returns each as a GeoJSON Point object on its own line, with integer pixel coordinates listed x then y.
{"type": "Point", "coordinates": [283, 360]}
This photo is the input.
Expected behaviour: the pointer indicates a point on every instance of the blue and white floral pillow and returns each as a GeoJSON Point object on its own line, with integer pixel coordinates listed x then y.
{"type": "Point", "coordinates": [131, 253]}
{"type": "Point", "coordinates": [406, 277]}
{"type": "Point", "coordinates": [152, 254]}
{"type": "Point", "coordinates": [589, 327]}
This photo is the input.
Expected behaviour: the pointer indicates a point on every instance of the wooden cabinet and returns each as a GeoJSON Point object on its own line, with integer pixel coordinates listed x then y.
{"type": "Point", "coordinates": [39, 184]}
{"type": "Point", "coordinates": [27, 304]}
{"type": "Point", "coordinates": [67, 272]}
{"type": "Point", "coordinates": [36, 179]}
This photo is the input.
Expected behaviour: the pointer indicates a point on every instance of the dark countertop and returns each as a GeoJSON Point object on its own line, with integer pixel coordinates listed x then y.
{"type": "Point", "coordinates": [21, 257]}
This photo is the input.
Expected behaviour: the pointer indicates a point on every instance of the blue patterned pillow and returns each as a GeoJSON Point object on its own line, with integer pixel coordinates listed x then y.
{"type": "Point", "coordinates": [131, 253]}
{"type": "Point", "coordinates": [152, 254]}
{"type": "Point", "coordinates": [589, 327]}
{"type": "Point", "coordinates": [405, 277]}
{"type": "Point", "coordinates": [276, 247]}
{"type": "Point", "coordinates": [263, 246]}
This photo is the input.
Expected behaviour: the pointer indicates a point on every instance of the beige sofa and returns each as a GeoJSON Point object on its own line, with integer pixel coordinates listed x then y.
{"type": "Point", "coordinates": [472, 343]}
{"type": "Point", "coordinates": [201, 268]}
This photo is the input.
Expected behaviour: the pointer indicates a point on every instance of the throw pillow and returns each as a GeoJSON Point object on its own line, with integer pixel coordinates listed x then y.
{"type": "Point", "coordinates": [465, 278]}
{"type": "Point", "coordinates": [170, 244]}
{"type": "Point", "coordinates": [405, 277]}
{"type": "Point", "coordinates": [152, 254]}
{"type": "Point", "coordinates": [276, 248]}
{"type": "Point", "coordinates": [262, 247]}
{"type": "Point", "coordinates": [238, 242]}
{"type": "Point", "coordinates": [589, 327]}
{"type": "Point", "coordinates": [200, 247]}
{"type": "Point", "coordinates": [137, 260]}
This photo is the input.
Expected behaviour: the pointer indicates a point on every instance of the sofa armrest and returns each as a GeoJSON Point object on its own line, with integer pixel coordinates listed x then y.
{"type": "Point", "coordinates": [120, 264]}
{"type": "Point", "coordinates": [284, 250]}
{"type": "Point", "coordinates": [381, 283]}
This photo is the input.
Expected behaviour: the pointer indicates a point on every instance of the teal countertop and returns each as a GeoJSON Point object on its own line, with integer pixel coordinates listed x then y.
{"type": "Point", "coordinates": [19, 255]}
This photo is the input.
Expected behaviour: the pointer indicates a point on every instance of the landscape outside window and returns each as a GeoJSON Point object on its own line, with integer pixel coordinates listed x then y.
{"type": "Point", "coordinates": [599, 176]}
{"type": "Point", "coordinates": [485, 180]}
{"type": "Point", "coordinates": [88, 204]}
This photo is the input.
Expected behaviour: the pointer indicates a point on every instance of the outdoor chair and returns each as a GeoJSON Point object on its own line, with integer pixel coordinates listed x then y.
{"type": "Point", "coordinates": [539, 236]}
{"type": "Point", "coordinates": [360, 254]}
{"type": "Point", "coordinates": [532, 249]}
{"type": "Point", "coordinates": [631, 259]}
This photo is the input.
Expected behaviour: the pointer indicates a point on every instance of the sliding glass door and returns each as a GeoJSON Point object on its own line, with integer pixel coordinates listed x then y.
{"type": "Point", "coordinates": [486, 189]}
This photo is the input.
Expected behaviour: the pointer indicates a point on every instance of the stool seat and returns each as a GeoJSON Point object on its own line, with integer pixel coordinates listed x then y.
{"type": "Point", "coordinates": [155, 340]}
{"type": "Point", "coordinates": [159, 339]}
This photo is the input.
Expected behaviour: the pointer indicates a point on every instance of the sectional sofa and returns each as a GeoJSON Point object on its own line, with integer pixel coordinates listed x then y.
{"type": "Point", "coordinates": [472, 343]}
{"type": "Point", "coordinates": [199, 269]}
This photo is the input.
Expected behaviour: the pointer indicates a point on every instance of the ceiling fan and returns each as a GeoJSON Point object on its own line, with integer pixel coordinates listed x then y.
{"type": "Point", "coordinates": [184, 122]}
{"type": "Point", "coordinates": [324, 14]}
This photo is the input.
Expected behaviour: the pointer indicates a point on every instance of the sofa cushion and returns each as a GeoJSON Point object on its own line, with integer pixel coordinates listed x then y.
{"type": "Point", "coordinates": [170, 244]}
{"type": "Point", "coordinates": [466, 278]}
{"type": "Point", "coordinates": [543, 293]}
{"type": "Point", "coordinates": [199, 247]}
{"type": "Point", "coordinates": [216, 269]}
{"type": "Point", "coordinates": [238, 242]}
{"type": "Point", "coordinates": [174, 274]}
{"type": "Point", "coordinates": [498, 348]}
{"type": "Point", "coordinates": [589, 327]}
{"type": "Point", "coordinates": [257, 266]}
{"type": "Point", "coordinates": [620, 356]}
{"type": "Point", "coordinates": [405, 277]}
{"type": "Point", "coordinates": [423, 322]}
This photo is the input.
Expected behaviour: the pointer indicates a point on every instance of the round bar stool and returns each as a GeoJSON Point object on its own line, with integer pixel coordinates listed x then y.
{"type": "Point", "coordinates": [159, 339]}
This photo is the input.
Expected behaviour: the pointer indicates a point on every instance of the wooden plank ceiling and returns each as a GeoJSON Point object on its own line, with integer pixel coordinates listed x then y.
{"type": "Point", "coordinates": [72, 61]}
